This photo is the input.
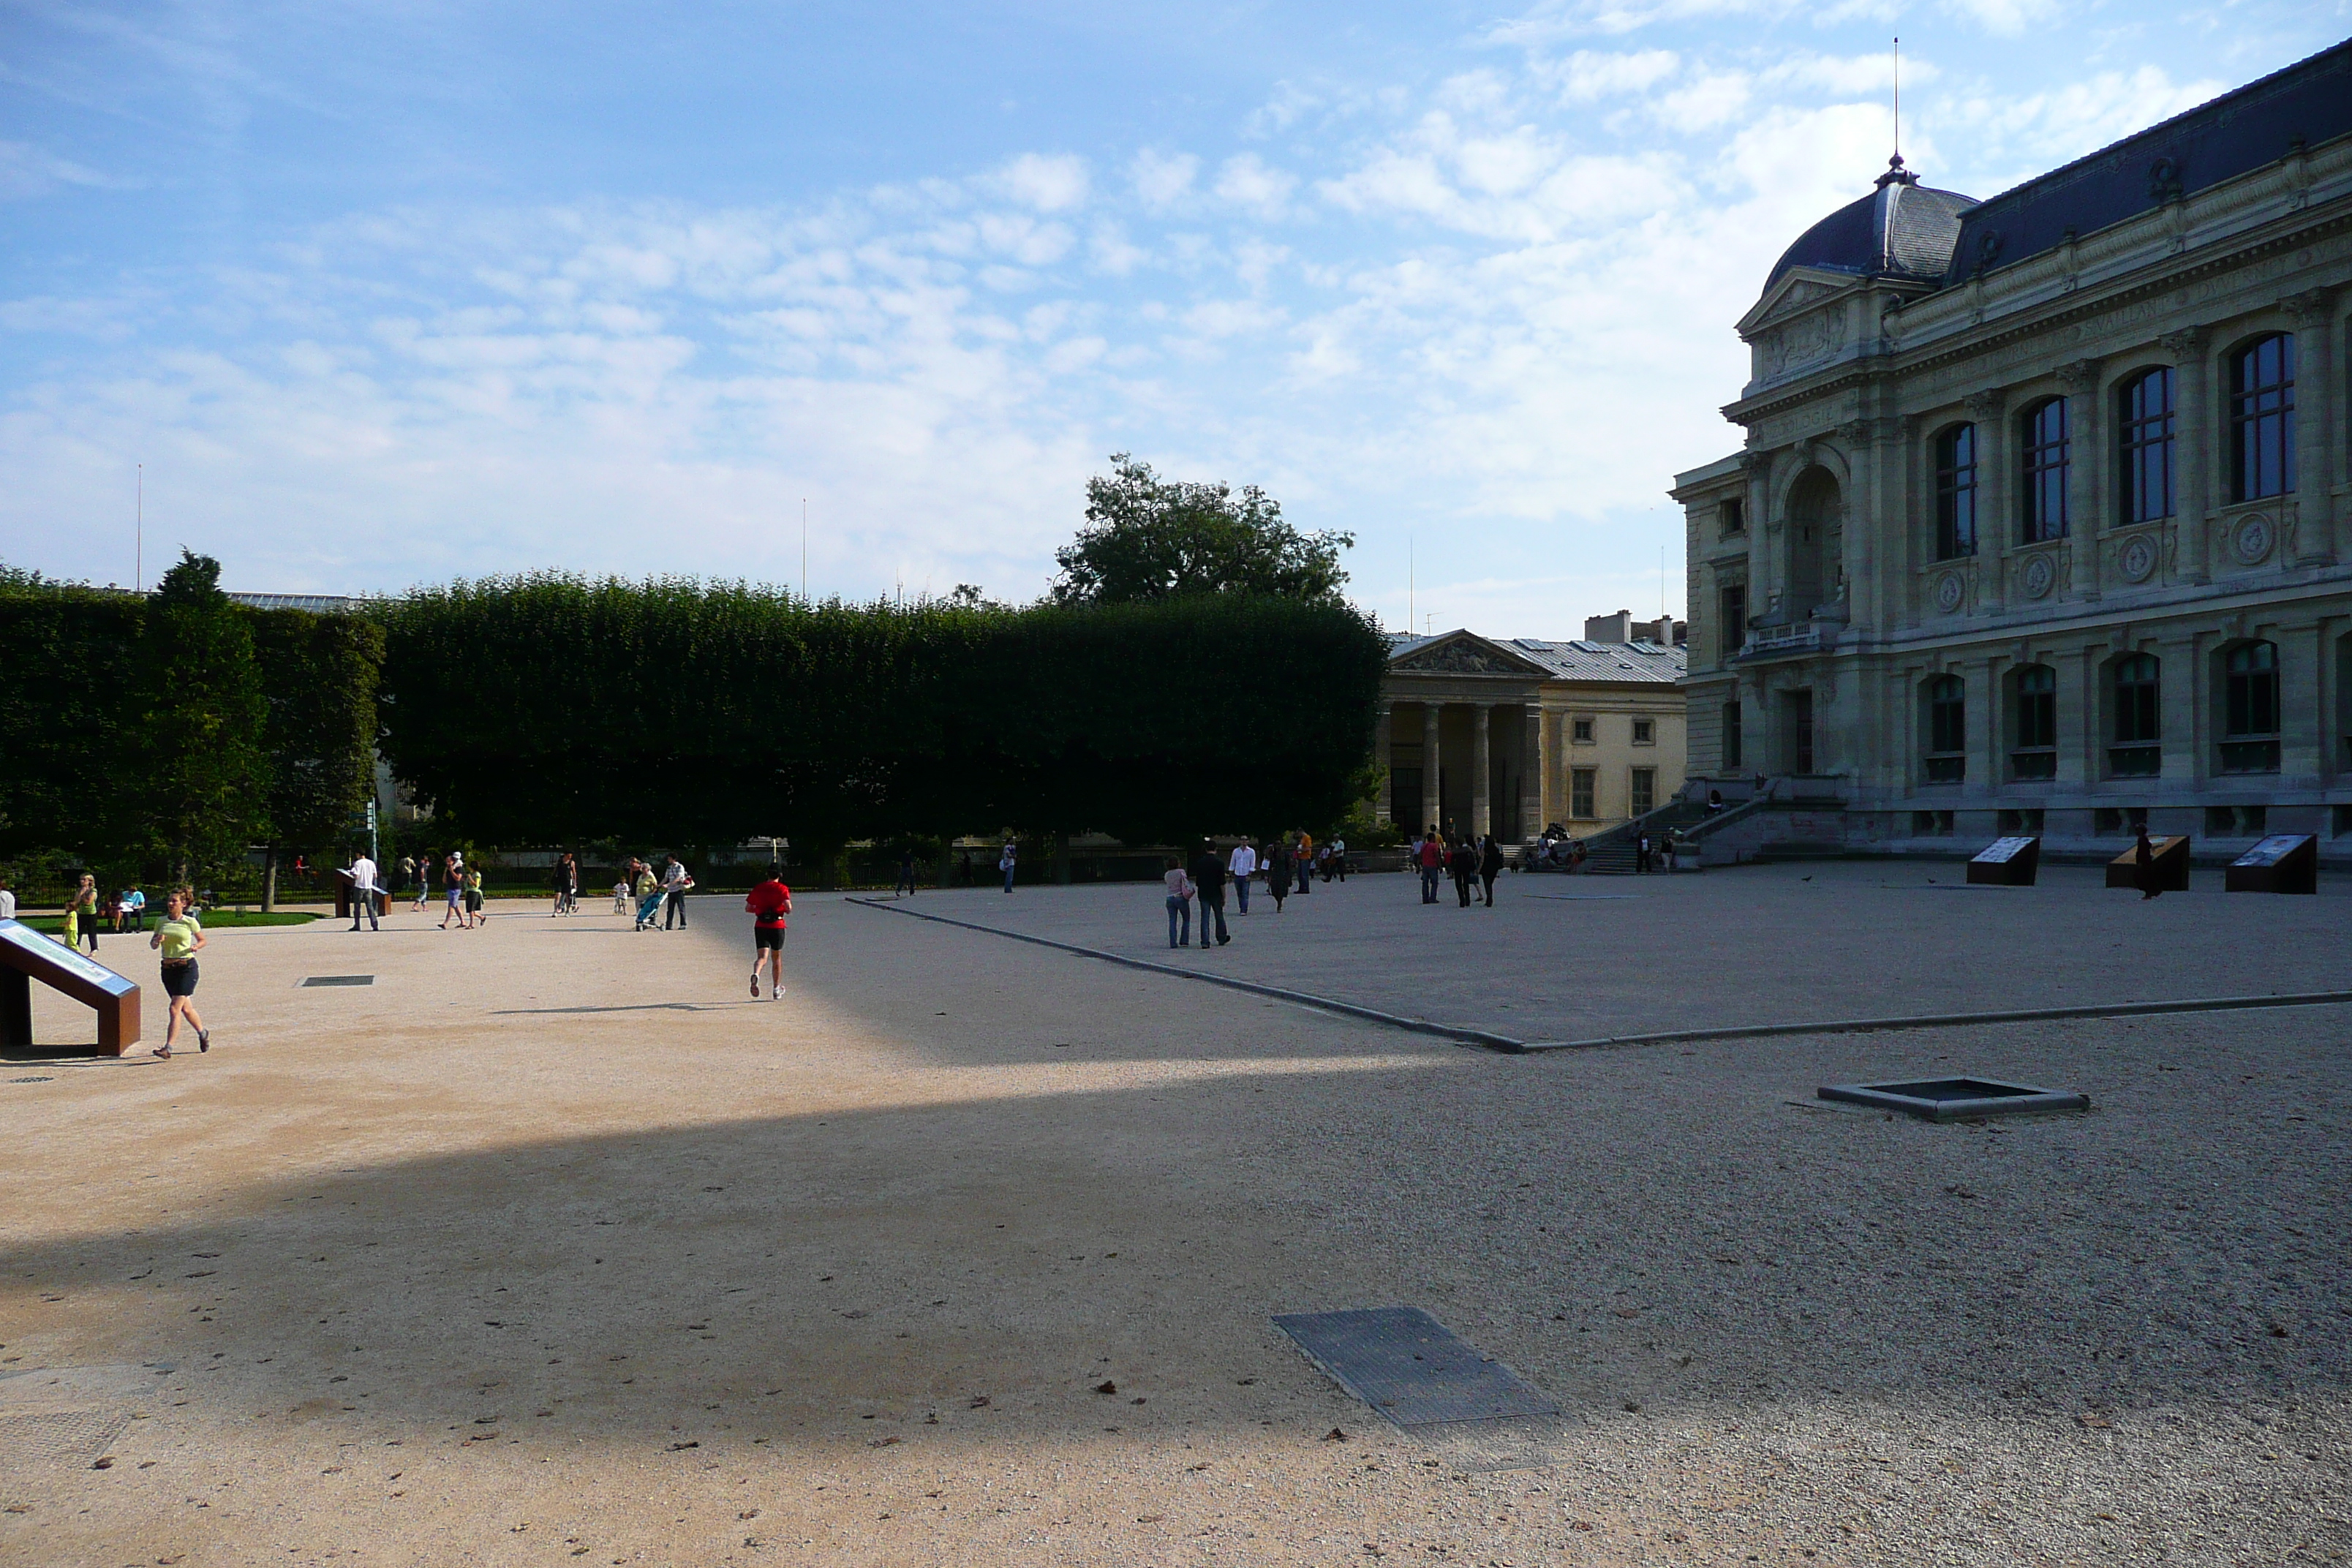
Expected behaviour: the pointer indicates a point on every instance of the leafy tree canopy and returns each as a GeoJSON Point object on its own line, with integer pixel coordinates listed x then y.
{"type": "Point", "coordinates": [1150, 538]}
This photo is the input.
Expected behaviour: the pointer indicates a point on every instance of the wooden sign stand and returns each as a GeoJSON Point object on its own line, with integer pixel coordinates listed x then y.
{"type": "Point", "coordinates": [2171, 866]}
{"type": "Point", "coordinates": [25, 955]}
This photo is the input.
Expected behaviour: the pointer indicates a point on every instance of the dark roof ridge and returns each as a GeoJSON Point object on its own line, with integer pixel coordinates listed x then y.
{"type": "Point", "coordinates": [1984, 247]}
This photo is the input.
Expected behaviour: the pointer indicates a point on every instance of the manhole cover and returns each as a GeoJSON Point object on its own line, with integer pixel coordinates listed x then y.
{"type": "Point", "coordinates": [1950, 1099]}
{"type": "Point", "coordinates": [1409, 1367]}
{"type": "Point", "coordinates": [340, 980]}
{"type": "Point", "coordinates": [71, 1414]}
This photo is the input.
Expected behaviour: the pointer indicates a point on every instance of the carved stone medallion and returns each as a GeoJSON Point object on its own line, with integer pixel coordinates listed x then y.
{"type": "Point", "coordinates": [2037, 576]}
{"type": "Point", "coordinates": [2251, 539]}
{"type": "Point", "coordinates": [2136, 558]}
{"type": "Point", "coordinates": [1949, 591]}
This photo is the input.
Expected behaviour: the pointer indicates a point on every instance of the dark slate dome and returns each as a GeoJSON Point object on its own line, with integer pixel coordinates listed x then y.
{"type": "Point", "coordinates": [1903, 230]}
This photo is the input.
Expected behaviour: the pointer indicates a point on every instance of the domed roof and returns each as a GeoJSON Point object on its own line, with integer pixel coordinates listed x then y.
{"type": "Point", "coordinates": [1903, 230]}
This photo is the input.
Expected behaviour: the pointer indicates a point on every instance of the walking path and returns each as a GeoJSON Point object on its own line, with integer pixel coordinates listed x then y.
{"type": "Point", "coordinates": [550, 1245]}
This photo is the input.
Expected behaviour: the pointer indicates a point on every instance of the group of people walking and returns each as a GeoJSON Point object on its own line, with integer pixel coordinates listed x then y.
{"type": "Point", "coordinates": [658, 896]}
{"type": "Point", "coordinates": [1292, 861]}
{"type": "Point", "coordinates": [1472, 860]}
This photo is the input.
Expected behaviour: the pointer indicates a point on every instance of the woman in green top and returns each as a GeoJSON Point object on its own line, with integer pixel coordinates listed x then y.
{"type": "Point", "coordinates": [81, 914]}
{"type": "Point", "coordinates": [181, 936]}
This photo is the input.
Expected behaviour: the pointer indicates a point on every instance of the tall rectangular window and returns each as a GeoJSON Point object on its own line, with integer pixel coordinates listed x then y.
{"type": "Point", "coordinates": [2135, 752]}
{"type": "Point", "coordinates": [1732, 517]}
{"type": "Point", "coordinates": [2250, 709]}
{"type": "Point", "coordinates": [1645, 790]}
{"type": "Point", "coordinates": [1581, 792]}
{"type": "Point", "coordinates": [1731, 735]}
{"type": "Point", "coordinates": [2145, 425]}
{"type": "Point", "coordinates": [1956, 492]}
{"type": "Point", "coordinates": [2261, 418]}
{"type": "Point", "coordinates": [1731, 607]}
{"type": "Point", "coordinates": [1946, 757]}
{"type": "Point", "coordinates": [2049, 458]}
{"type": "Point", "coordinates": [2034, 751]}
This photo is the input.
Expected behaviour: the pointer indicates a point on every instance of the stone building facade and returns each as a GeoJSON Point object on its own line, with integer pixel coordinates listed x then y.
{"type": "Point", "coordinates": [1507, 736]}
{"type": "Point", "coordinates": [2042, 522]}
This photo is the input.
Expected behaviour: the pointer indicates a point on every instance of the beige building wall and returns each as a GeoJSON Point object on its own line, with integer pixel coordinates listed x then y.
{"type": "Point", "coordinates": [1519, 727]}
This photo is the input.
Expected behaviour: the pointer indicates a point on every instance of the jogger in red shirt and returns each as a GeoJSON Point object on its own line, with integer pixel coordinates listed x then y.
{"type": "Point", "coordinates": [768, 904]}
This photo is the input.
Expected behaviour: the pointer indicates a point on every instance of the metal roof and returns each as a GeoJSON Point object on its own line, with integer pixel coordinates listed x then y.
{"type": "Point", "coordinates": [1578, 659]}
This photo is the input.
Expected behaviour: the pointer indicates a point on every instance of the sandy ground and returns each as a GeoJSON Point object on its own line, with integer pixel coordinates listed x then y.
{"type": "Point", "coordinates": [553, 1245]}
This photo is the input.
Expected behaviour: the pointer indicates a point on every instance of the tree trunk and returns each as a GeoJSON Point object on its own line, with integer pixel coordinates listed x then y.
{"type": "Point", "coordinates": [269, 878]}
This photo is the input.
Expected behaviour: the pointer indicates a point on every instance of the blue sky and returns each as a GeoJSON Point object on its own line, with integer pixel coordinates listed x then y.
{"type": "Point", "coordinates": [388, 293]}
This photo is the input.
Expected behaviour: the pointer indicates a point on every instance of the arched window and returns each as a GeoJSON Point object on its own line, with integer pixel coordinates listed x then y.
{"type": "Point", "coordinates": [2144, 423]}
{"type": "Point", "coordinates": [2034, 729]}
{"type": "Point", "coordinates": [1956, 492]}
{"type": "Point", "coordinates": [2048, 458]}
{"type": "Point", "coordinates": [2135, 703]}
{"type": "Point", "coordinates": [2261, 418]}
{"type": "Point", "coordinates": [2250, 709]}
{"type": "Point", "coordinates": [1946, 756]}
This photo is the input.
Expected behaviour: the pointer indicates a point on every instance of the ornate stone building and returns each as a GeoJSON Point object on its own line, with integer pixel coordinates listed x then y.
{"type": "Point", "coordinates": [1505, 737]}
{"type": "Point", "coordinates": [2041, 520]}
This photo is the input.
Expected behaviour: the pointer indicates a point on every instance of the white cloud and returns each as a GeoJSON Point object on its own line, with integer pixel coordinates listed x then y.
{"type": "Point", "coordinates": [1050, 185]}
{"type": "Point", "coordinates": [28, 170]}
{"type": "Point", "coordinates": [1245, 181]}
{"type": "Point", "coordinates": [1162, 179]}
{"type": "Point", "coordinates": [1586, 75]}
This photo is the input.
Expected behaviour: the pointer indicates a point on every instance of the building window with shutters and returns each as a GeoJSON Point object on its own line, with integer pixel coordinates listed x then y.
{"type": "Point", "coordinates": [1645, 790]}
{"type": "Point", "coordinates": [2136, 710]}
{"type": "Point", "coordinates": [1946, 753]}
{"type": "Point", "coordinates": [1581, 792]}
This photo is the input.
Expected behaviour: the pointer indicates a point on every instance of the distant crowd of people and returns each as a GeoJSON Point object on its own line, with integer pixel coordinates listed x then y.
{"type": "Point", "coordinates": [1288, 863]}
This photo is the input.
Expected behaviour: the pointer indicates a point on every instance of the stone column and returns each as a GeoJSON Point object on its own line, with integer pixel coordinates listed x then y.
{"type": "Point", "coordinates": [1482, 772]}
{"type": "Point", "coordinates": [1996, 527]}
{"type": "Point", "coordinates": [2199, 440]}
{"type": "Point", "coordinates": [2318, 414]}
{"type": "Point", "coordinates": [1532, 773]}
{"type": "Point", "coordinates": [1384, 756]}
{"type": "Point", "coordinates": [2086, 472]}
{"type": "Point", "coordinates": [1429, 764]}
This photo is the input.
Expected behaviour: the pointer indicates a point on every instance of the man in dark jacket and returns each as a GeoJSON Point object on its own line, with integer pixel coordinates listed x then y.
{"type": "Point", "coordinates": [1490, 866]}
{"type": "Point", "coordinates": [1465, 867]}
{"type": "Point", "coordinates": [1209, 881]}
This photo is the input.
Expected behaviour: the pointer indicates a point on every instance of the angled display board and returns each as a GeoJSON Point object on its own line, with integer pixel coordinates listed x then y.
{"type": "Point", "coordinates": [2007, 863]}
{"type": "Point", "coordinates": [25, 955]}
{"type": "Point", "coordinates": [2283, 863]}
{"type": "Point", "coordinates": [2171, 866]}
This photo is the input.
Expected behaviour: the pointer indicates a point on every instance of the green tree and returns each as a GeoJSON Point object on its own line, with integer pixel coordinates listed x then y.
{"type": "Point", "coordinates": [1149, 538]}
{"type": "Point", "coordinates": [202, 782]}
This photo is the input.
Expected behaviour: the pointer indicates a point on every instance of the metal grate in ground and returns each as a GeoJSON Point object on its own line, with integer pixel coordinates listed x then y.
{"type": "Point", "coordinates": [1434, 1386]}
{"type": "Point", "coordinates": [340, 980]}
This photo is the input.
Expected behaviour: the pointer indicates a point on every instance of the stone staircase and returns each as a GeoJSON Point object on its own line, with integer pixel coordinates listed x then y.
{"type": "Point", "coordinates": [1611, 853]}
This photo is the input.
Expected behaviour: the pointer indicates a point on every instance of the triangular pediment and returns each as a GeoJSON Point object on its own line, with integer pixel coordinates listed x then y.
{"type": "Point", "coordinates": [1796, 291]}
{"type": "Point", "coordinates": [1464, 653]}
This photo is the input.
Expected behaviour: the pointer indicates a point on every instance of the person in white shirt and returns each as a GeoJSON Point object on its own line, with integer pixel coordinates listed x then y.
{"type": "Point", "coordinates": [1340, 858]}
{"type": "Point", "coordinates": [1241, 867]}
{"type": "Point", "coordinates": [675, 883]}
{"type": "Point", "coordinates": [7, 901]}
{"type": "Point", "coordinates": [362, 873]}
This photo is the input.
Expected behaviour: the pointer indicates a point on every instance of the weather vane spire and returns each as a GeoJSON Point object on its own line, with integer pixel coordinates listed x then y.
{"type": "Point", "coordinates": [1896, 175]}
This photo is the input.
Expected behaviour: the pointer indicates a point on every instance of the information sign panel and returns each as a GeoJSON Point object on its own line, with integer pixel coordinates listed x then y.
{"type": "Point", "coordinates": [2011, 862]}
{"type": "Point", "coordinates": [2282, 863]}
{"type": "Point", "coordinates": [26, 955]}
{"type": "Point", "coordinates": [2171, 866]}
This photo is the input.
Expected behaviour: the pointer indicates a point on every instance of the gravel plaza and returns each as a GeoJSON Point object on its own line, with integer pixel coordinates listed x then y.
{"type": "Point", "coordinates": [551, 1245]}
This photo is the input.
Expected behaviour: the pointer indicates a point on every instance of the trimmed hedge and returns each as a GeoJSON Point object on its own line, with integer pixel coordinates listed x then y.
{"type": "Point", "coordinates": [551, 709]}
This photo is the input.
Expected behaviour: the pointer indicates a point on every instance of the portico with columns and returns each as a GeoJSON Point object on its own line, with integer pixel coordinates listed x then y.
{"type": "Point", "coordinates": [1480, 735]}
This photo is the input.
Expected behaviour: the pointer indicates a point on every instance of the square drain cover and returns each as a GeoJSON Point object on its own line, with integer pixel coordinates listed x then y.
{"type": "Point", "coordinates": [340, 980]}
{"type": "Point", "coordinates": [1950, 1099]}
{"type": "Point", "coordinates": [1409, 1367]}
